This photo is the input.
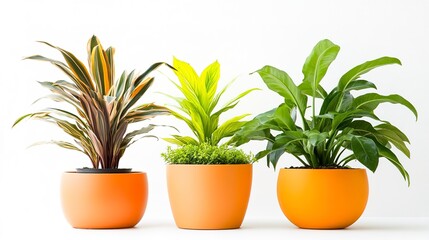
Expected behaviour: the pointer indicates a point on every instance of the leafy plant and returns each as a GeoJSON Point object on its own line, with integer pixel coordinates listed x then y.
{"type": "Point", "coordinates": [343, 124]}
{"type": "Point", "coordinates": [206, 154]}
{"type": "Point", "coordinates": [103, 107]}
{"type": "Point", "coordinates": [198, 107]}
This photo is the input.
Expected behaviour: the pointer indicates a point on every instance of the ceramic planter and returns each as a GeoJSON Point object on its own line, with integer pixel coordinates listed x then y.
{"type": "Point", "coordinates": [322, 198]}
{"type": "Point", "coordinates": [104, 200]}
{"type": "Point", "coordinates": [209, 196]}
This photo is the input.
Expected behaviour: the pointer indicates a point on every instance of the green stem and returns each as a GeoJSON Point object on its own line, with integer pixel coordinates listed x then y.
{"type": "Point", "coordinates": [346, 160]}
{"type": "Point", "coordinates": [302, 161]}
{"type": "Point", "coordinates": [314, 112]}
{"type": "Point", "coordinates": [338, 156]}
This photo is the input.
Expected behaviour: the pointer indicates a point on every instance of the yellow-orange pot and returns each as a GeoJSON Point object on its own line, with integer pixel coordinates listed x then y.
{"type": "Point", "coordinates": [209, 196]}
{"type": "Point", "coordinates": [104, 200]}
{"type": "Point", "coordinates": [322, 198]}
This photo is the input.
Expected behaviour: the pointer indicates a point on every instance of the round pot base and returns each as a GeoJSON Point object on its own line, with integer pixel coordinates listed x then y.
{"type": "Point", "coordinates": [104, 200]}
{"type": "Point", "coordinates": [209, 196]}
{"type": "Point", "coordinates": [322, 198]}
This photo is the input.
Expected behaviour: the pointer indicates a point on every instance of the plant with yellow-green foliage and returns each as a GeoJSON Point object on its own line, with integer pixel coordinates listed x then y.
{"type": "Point", "coordinates": [199, 108]}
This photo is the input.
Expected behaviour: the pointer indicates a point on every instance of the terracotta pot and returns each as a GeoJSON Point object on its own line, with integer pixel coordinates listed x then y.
{"type": "Point", "coordinates": [322, 198]}
{"type": "Point", "coordinates": [104, 200]}
{"type": "Point", "coordinates": [209, 196]}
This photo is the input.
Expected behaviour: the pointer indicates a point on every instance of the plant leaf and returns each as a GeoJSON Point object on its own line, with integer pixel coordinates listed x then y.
{"type": "Point", "coordinates": [389, 155]}
{"type": "Point", "coordinates": [363, 68]}
{"type": "Point", "coordinates": [317, 64]}
{"type": "Point", "coordinates": [280, 82]}
{"type": "Point", "coordinates": [370, 102]}
{"type": "Point", "coordinates": [365, 151]}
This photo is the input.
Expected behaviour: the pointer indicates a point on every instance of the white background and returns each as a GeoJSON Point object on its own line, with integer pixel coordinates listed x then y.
{"type": "Point", "coordinates": [243, 36]}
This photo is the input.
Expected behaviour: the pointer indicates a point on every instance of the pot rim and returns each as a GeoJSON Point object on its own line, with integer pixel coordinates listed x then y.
{"type": "Point", "coordinates": [210, 165]}
{"type": "Point", "coordinates": [104, 173]}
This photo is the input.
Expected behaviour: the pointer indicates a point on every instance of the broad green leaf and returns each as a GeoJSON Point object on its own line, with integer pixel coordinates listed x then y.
{"type": "Point", "coordinates": [346, 117]}
{"type": "Point", "coordinates": [315, 137]}
{"type": "Point", "coordinates": [366, 152]}
{"type": "Point", "coordinates": [370, 102]}
{"type": "Point", "coordinates": [317, 64]}
{"type": "Point", "coordinates": [280, 82]}
{"type": "Point", "coordinates": [363, 68]}
{"type": "Point", "coordinates": [330, 102]}
{"type": "Point", "coordinates": [274, 156]}
{"type": "Point", "coordinates": [359, 85]}
{"type": "Point", "coordinates": [346, 103]}
{"type": "Point", "coordinates": [305, 88]}
{"type": "Point", "coordinates": [390, 127]}
{"type": "Point", "coordinates": [395, 140]}
{"type": "Point", "coordinates": [283, 118]}
{"type": "Point", "coordinates": [362, 128]}
{"type": "Point", "coordinates": [389, 155]}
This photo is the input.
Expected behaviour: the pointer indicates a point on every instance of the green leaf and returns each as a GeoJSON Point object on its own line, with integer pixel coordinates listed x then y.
{"type": "Point", "coordinates": [256, 129]}
{"type": "Point", "coordinates": [274, 155]}
{"type": "Point", "coordinates": [366, 152]}
{"type": "Point", "coordinates": [283, 118]}
{"type": "Point", "coordinates": [315, 137]}
{"type": "Point", "coordinates": [317, 64]}
{"type": "Point", "coordinates": [359, 85]}
{"type": "Point", "coordinates": [370, 102]}
{"type": "Point", "coordinates": [395, 140]}
{"type": "Point", "coordinates": [181, 140]}
{"type": "Point", "coordinates": [389, 155]}
{"type": "Point", "coordinates": [210, 76]}
{"type": "Point", "coordinates": [390, 127]}
{"type": "Point", "coordinates": [345, 118]}
{"type": "Point", "coordinates": [363, 68]}
{"type": "Point", "coordinates": [228, 128]}
{"type": "Point", "coordinates": [280, 82]}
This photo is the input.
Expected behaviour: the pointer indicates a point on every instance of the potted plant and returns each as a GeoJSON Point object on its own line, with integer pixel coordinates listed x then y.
{"type": "Point", "coordinates": [96, 111]}
{"type": "Point", "coordinates": [208, 182]}
{"type": "Point", "coordinates": [337, 128]}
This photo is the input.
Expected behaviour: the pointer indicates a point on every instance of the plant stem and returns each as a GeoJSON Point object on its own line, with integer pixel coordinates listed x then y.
{"type": "Point", "coordinates": [346, 160]}
{"type": "Point", "coordinates": [313, 120]}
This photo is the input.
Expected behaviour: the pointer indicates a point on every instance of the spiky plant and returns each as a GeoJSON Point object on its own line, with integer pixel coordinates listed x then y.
{"type": "Point", "coordinates": [199, 102]}
{"type": "Point", "coordinates": [103, 107]}
{"type": "Point", "coordinates": [198, 108]}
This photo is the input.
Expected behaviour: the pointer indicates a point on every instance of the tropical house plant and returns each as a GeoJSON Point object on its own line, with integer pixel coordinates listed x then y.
{"type": "Point", "coordinates": [209, 183]}
{"type": "Point", "coordinates": [96, 111]}
{"type": "Point", "coordinates": [337, 128]}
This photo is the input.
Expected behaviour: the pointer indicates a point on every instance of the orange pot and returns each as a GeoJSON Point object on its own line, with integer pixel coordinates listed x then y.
{"type": "Point", "coordinates": [104, 200]}
{"type": "Point", "coordinates": [209, 196]}
{"type": "Point", "coordinates": [322, 198]}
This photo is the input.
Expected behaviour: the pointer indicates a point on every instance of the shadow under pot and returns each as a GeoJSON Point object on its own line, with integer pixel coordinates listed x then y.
{"type": "Point", "coordinates": [104, 199]}
{"type": "Point", "coordinates": [209, 196]}
{"type": "Point", "coordinates": [322, 198]}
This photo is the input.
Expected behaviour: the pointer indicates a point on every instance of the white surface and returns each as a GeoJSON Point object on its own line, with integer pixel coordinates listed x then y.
{"type": "Point", "coordinates": [365, 228]}
{"type": "Point", "coordinates": [244, 36]}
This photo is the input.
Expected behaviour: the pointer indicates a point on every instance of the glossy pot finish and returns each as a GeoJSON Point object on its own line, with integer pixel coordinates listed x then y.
{"type": "Point", "coordinates": [104, 200]}
{"type": "Point", "coordinates": [209, 196]}
{"type": "Point", "coordinates": [322, 198]}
